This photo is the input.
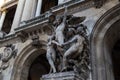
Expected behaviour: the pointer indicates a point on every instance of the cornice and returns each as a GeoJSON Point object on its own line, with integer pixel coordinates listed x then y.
{"type": "Point", "coordinates": [38, 22]}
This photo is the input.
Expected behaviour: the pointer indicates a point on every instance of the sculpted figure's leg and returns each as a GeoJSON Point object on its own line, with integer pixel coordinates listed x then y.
{"type": "Point", "coordinates": [69, 52]}
{"type": "Point", "coordinates": [51, 60]}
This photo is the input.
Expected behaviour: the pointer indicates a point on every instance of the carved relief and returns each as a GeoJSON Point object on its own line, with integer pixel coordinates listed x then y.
{"type": "Point", "coordinates": [8, 53]}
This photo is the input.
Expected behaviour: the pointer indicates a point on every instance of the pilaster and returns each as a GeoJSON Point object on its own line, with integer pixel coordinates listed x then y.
{"type": "Point", "coordinates": [39, 6]}
{"type": "Point", "coordinates": [27, 10]}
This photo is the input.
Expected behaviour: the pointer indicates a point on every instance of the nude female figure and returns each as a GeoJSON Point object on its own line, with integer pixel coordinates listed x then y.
{"type": "Point", "coordinates": [51, 54]}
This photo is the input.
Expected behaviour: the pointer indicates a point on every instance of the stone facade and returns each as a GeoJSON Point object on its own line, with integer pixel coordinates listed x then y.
{"type": "Point", "coordinates": [29, 31]}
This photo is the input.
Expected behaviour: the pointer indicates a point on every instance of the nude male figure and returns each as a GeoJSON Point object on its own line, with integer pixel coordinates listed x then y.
{"type": "Point", "coordinates": [60, 28]}
{"type": "Point", "coordinates": [76, 47]}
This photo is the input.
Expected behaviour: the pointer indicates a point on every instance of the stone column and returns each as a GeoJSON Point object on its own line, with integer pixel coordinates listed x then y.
{"type": "Point", "coordinates": [18, 15]}
{"type": "Point", "coordinates": [27, 10]}
{"type": "Point", "coordinates": [39, 7]}
{"type": "Point", "coordinates": [2, 19]}
{"type": "Point", "coordinates": [34, 8]}
{"type": "Point", "coordinates": [60, 1]}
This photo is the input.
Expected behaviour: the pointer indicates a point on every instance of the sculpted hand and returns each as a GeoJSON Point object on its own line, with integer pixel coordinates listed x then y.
{"type": "Point", "coordinates": [62, 45]}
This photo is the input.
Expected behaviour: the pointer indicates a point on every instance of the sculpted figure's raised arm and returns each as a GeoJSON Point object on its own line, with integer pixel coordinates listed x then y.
{"type": "Point", "coordinates": [60, 28]}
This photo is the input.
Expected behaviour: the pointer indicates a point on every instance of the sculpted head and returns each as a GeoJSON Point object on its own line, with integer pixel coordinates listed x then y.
{"type": "Point", "coordinates": [59, 20]}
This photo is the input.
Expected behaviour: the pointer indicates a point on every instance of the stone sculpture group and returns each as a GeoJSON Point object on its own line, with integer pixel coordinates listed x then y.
{"type": "Point", "coordinates": [67, 47]}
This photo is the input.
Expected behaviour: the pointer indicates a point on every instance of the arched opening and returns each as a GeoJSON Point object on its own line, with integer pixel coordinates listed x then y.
{"type": "Point", "coordinates": [116, 60]}
{"type": "Point", "coordinates": [112, 48]}
{"type": "Point", "coordinates": [31, 63]}
{"type": "Point", "coordinates": [38, 68]}
{"type": "Point", "coordinates": [104, 38]}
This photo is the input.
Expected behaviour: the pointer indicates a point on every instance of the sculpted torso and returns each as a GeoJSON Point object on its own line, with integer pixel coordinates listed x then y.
{"type": "Point", "coordinates": [59, 33]}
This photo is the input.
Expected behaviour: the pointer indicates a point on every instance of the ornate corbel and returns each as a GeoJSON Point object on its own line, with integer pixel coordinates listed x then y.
{"type": "Point", "coordinates": [35, 41]}
{"type": "Point", "coordinates": [23, 35]}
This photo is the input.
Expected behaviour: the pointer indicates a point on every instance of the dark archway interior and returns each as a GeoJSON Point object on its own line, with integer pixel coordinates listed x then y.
{"type": "Point", "coordinates": [116, 60]}
{"type": "Point", "coordinates": [9, 19]}
{"type": "Point", "coordinates": [112, 50]}
{"type": "Point", "coordinates": [38, 68]}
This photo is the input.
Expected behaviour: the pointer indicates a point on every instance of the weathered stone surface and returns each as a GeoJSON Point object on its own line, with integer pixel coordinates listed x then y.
{"type": "Point", "coordinates": [98, 20]}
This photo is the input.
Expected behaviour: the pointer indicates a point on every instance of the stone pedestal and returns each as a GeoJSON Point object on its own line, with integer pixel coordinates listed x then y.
{"type": "Point", "coordinates": [61, 76]}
